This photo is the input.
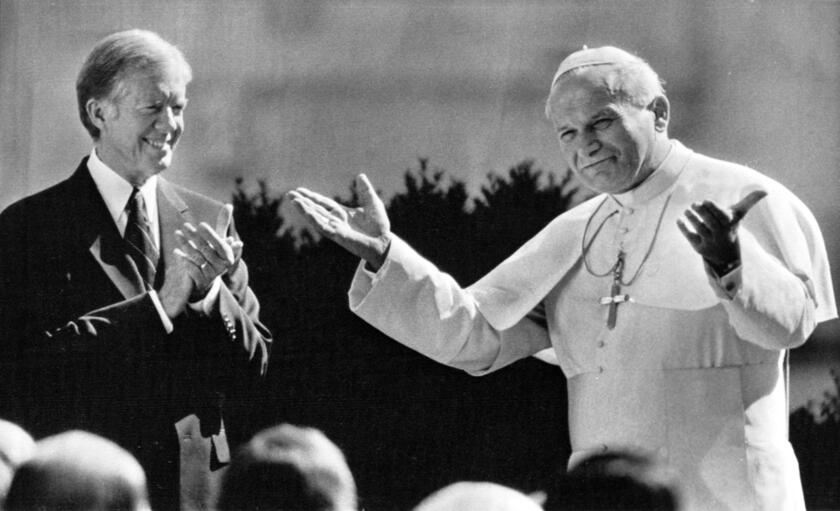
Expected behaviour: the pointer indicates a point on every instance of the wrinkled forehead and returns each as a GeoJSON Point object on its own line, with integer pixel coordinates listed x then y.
{"type": "Point", "coordinates": [168, 81]}
{"type": "Point", "coordinates": [577, 97]}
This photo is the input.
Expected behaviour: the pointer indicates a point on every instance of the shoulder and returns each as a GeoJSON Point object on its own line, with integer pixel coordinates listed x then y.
{"type": "Point", "coordinates": [42, 206]}
{"type": "Point", "coordinates": [199, 204]}
{"type": "Point", "coordinates": [729, 182]}
{"type": "Point", "coordinates": [725, 180]}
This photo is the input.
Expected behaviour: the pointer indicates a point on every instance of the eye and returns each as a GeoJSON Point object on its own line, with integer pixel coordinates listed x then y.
{"type": "Point", "coordinates": [566, 135]}
{"type": "Point", "coordinates": [602, 124]}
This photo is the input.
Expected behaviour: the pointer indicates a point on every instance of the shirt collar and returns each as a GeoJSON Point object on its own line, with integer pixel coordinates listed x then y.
{"type": "Point", "coordinates": [660, 180]}
{"type": "Point", "coordinates": [115, 190]}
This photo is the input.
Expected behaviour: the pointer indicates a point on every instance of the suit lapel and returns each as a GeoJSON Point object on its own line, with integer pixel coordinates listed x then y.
{"type": "Point", "coordinates": [172, 213]}
{"type": "Point", "coordinates": [98, 234]}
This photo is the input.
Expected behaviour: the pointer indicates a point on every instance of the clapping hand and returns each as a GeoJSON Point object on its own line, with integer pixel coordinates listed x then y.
{"type": "Point", "coordinates": [714, 231]}
{"type": "Point", "coordinates": [363, 231]}
{"type": "Point", "coordinates": [203, 253]}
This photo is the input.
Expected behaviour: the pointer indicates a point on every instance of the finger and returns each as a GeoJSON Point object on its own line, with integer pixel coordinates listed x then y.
{"type": "Point", "coordinates": [366, 191]}
{"type": "Point", "coordinates": [740, 209]}
{"type": "Point", "coordinates": [707, 216]}
{"type": "Point", "coordinates": [316, 216]}
{"type": "Point", "coordinates": [692, 237]}
{"type": "Point", "coordinates": [188, 249]}
{"type": "Point", "coordinates": [224, 219]}
{"type": "Point", "coordinates": [720, 216]}
{"type": "Point", "coordinates": [190, 265]}
{"type": "Point", "coordinates": [223, 250]}
{"type": "Point", "coordinates": [321, 200]}
{"type": "Point", "coordinates": [697, 224]}
{"type": "Point", "coordinates": [207, 242]}
{"type": "Point", "coordinates": [207, 263]}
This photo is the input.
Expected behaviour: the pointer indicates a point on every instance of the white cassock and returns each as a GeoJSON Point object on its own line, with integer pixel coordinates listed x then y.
{"type": "Point", "coordinates": [693, 370]}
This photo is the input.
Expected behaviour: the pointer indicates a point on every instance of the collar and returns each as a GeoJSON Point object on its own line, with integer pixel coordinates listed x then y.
{"type": "Point", "coordinates": [115, 191]}
{"type": "Point", "coordinates": [660, 180]}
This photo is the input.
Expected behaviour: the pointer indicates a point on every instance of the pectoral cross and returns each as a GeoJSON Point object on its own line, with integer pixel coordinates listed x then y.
{"type": "Point", "coordinates": [615, 298]}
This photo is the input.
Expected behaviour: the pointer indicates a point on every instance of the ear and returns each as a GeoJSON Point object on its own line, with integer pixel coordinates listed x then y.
{"type": "Point", "coordinates": [661, 109]}
{"type": "Point", "coordinates": [98, 111]}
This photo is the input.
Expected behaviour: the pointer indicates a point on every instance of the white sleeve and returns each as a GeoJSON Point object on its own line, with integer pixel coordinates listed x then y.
{"type": "Point", "coordinates": [767, 303]}
{"type": "Point", "coordinates": [413, 302]}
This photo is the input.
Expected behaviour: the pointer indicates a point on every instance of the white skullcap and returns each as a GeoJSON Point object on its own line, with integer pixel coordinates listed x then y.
{"type": "Point", "coordinates": [603, 56]}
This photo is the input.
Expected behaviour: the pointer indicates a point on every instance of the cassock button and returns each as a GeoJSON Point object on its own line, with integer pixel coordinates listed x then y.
{"type": "Point", "coordinates": [600, 369]}
{"type": "Point", "coordinates": [730, 286]}
{"type": "Point", "coordinates": [601, 344]}
{"type": "Point", "coordinates": [630, 211]}
{"type": "Point", "coordinates": [604, 448]}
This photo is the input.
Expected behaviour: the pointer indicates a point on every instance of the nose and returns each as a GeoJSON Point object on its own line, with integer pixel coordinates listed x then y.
{"type": "Point", "coordinates": [166, 120]}
{"type": "Point", "coordinates": [589, 145]}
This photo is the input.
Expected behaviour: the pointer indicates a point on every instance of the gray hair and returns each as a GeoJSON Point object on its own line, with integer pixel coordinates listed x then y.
{"type": "Point", "coordinates": [117, 56]}
{"type": "Point", "coordinates": [632, 82]}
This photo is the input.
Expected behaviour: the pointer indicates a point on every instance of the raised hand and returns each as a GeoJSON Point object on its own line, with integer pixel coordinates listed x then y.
{"type": "Point", "coordinates": [714, 231]}
{"type": "Point", "coordinates": [364, 231]}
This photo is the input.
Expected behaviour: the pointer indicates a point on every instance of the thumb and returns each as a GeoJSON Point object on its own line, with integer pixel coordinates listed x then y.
{"type": "Point", "coordinates": [740, 209]}
{"type": "Point", "coordinates": [223, 220]}
{"type": "Point", "coordinates": [366, 191]}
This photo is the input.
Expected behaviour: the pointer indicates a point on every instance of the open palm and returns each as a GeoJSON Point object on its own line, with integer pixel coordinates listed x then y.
{"type": "Point", "coordinates": [363, 231]}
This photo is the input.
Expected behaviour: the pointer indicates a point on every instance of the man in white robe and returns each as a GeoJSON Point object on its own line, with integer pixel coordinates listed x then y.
{"type": "Point", "coordinates": [670, 309]}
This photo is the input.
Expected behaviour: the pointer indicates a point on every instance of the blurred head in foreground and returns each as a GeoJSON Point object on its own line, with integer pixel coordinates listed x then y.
{"type": "Point", "coordinates": [477, 496]}
{"type": "Point", "coordinates": [16, 446]}
{"type": "Point", "coordinates": [288, 467]}
{"type": "Point", "coordinates": [616, 481]}
{"type": "Point", "coordinates": [75, 471]}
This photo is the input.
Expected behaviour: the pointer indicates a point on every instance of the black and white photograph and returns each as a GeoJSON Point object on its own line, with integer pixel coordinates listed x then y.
{"type": "Point", "coordinates": [375, 255]}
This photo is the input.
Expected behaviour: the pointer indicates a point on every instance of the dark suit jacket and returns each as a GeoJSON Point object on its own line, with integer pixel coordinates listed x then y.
{"type": "Point", "coordinates": [82, 345]}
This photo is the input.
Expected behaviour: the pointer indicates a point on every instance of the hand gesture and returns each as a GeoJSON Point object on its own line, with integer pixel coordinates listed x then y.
{"type": "Point", "coordinates": [203, 253]}
{"type": "Point", "coordinates": [363, 231]}
{"type": "Point", "coordinates": [714, 232]}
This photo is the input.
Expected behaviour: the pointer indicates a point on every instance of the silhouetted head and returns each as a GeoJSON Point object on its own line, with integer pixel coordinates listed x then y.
{"type": "Point", "coordinates": [477, 496]}
{"type": "Point", "coordinates": [623, 480]}
{"type": "Point", "coordinates": [78, 471]}
{"type": "Point", "coordinates": [288, 468]}
{"type": "Point", "coordinates": [16, 446]}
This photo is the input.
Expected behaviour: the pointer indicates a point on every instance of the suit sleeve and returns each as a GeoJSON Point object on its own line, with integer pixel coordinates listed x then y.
{"type": "Point", "coordinates": [49, 351]}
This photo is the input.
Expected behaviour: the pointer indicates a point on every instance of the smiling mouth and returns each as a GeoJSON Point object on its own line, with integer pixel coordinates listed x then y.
{"type": "Point", "coordinates": [157, 144]}
{"type": "Point", "coordinates": [595, 163]}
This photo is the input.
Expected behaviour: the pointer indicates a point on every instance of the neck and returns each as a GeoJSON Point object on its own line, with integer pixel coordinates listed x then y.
{"type": "Point", "coordinates": [661, 148]}
{"type": "Point", "coordinates": [136, 178]}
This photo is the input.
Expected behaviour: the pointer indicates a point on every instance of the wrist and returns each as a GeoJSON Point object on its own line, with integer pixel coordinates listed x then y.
{"type": "Point", "coordinates": [379, 253]}
{"type": "Point", "coordinates": [724, 268]}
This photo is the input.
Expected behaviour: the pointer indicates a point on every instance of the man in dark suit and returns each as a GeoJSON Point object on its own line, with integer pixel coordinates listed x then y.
{"type": "Point", "coordinates": [123, 298]}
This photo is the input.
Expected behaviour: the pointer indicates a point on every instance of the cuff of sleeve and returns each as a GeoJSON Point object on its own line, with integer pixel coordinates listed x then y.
{"type": "Point", "coordinates": [725, 286]}
{"type": "Point", "coordinates": [208, 303]}
{"type": "Point", "coordinates": [164, 319]}
{"type": "Point", "coordinates": [365, 280]}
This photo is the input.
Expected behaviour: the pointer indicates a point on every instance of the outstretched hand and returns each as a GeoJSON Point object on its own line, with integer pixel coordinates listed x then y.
{"type": "Point", "coordinates": [363, 231]}
{"type": "Point", "coordinates": [714, 231]}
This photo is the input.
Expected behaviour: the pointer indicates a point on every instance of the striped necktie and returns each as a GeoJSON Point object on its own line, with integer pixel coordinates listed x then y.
{"type": "Point", "coordinates": [138, 238]}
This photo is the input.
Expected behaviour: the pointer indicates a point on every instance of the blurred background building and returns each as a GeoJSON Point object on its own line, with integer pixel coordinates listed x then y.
{"type": "Point", "coordinates": [311, 92]}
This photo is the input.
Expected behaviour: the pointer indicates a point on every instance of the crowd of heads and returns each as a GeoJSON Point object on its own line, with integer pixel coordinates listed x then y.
{"type": "Point", "coordinates": [293, 468]}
